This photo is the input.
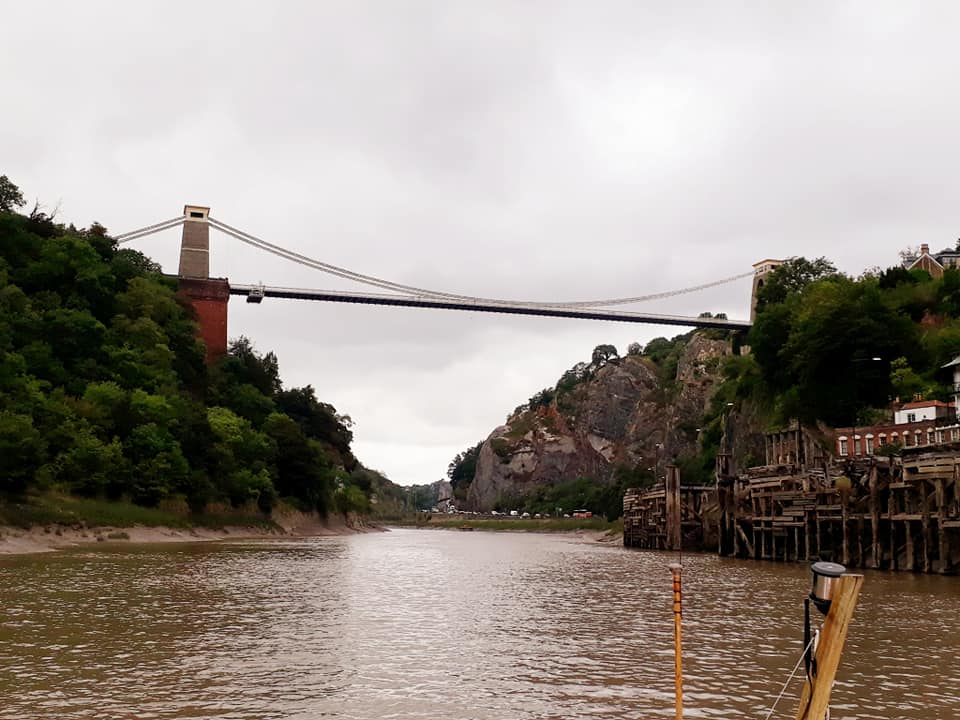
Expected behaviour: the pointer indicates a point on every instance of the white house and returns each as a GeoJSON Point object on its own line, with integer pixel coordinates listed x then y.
{"type": "Point", "coordinates": [922, 410]}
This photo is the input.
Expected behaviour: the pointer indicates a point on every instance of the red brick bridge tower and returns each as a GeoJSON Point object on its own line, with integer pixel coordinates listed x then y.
{"type": "Point", "coordinates": [208, 296]}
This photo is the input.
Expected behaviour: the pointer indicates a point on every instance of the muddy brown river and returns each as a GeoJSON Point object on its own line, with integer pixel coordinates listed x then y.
{"type": "Point", "coordinates": [431, 624]}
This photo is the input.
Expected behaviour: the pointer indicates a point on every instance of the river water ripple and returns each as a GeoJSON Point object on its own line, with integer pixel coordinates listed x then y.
{"type": "Point", "coordinates": [429, 624]}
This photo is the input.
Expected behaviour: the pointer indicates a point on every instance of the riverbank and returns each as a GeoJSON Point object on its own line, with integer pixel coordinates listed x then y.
{"type": "Point", "coordinates": [594, 528]}
{"type": "Point", "coordinates": [50, 538]}
{"type": "Point", "coordinates": [56, 522]}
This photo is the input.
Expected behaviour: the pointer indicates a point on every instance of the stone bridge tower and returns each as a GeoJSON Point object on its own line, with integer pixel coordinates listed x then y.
{"type": "Point", "coordinates": [760, 272]}
{"type": "Point", "coordinates": [208, 296]}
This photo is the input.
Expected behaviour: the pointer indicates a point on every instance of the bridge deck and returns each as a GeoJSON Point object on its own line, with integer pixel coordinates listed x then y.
{"type": "Point", "coordinates": [504, 308]}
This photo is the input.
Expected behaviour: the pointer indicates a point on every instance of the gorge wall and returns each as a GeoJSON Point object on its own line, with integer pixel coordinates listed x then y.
{"type": "Point", "coordinates": [616, 417]}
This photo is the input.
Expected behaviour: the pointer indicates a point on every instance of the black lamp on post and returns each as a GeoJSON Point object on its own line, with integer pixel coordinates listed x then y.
{"type": "Point", "coordinates": [856, 398]}
{"type": "Point", "coordinates": [656, 462]}
{"type": "Point", "coordinates": [825, 576]}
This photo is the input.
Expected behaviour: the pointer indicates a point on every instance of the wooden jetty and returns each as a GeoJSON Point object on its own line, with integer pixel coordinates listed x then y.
{"type": "Point", "coordinates": [896, 513]}
{"type": "Point", "coordinates": [901, 513]}
{"type": "Point", "coordinates": [671, 515]}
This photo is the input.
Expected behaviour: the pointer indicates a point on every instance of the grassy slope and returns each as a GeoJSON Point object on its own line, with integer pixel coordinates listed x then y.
{"type": "Point", "coordinates": [59, 509]}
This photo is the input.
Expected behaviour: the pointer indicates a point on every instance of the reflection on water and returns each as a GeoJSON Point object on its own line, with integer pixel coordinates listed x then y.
{"type": "Point", "coordinates": [422, 624]}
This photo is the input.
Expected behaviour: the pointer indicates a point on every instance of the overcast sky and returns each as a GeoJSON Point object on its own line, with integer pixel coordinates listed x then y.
{"type": "Point", "coordinates": [537, 150]}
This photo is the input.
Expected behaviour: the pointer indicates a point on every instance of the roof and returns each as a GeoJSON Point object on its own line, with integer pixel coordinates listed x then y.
{"type": "Point", "coordinates": [924, 403]}
{"type": "Point", "coordinates": [921, 257]}
{"type": "Point", "coordinates": [768, 260]}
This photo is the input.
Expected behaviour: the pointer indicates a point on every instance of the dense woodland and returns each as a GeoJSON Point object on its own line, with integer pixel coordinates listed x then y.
{"type": "Point", "coordinates": [104, 391]}
{"type": "Point", "coordinates": [811, 358]}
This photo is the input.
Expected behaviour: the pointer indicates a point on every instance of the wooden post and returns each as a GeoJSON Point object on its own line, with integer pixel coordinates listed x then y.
{"type": "Point", "coordinates": [892, 532]}
{"type": "Point", "coordinates": [875, 553]}
{"type": "Point", "coordinates": [764, 554]}
{"type": "Point", "coordinates": [909, 561]}
{"type": "Point", "coordinates": [677, 570]}
{"type": "Point", "coordinates": [925, 524]}
{"type": "Point", "coordinates": [860, 532]}
{"type": "Point", "coordinates": [814, 702]}
{"type": "Point", "coordinates": [816, 514]}
{"type": "Point", "coordinates": [845, 520]}
{"type": "Point", "coordinates": [735, 524]}
{"type": "Point", "coordinates": [943, 552]}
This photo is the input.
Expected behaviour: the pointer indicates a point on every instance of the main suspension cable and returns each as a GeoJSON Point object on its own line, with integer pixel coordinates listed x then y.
{"type": "Point", "coordinates": [150, 229]}
{"type": "Point", "coordinates": [399, 287]}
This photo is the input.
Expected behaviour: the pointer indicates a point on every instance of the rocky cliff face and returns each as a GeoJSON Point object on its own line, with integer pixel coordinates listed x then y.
{"type": "Point", "coordinates": [614, 417]}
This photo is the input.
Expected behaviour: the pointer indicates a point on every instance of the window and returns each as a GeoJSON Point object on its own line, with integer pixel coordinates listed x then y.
{"type": "Point", "coordinates": [955, 434]}
{"type": "Point", "coordinates": [929, 437]}
{"type": "Point", "coordinates": [856, 445]}
{"type": "Point", "coordinates": [906, 439]}
{"type": "Point", "coordinates": [869, 444]}
{"type": "Point", "coordinates": [843, 447]}
{"type": "Point", "coordinates": [883, 438]}
{"type": "Point", "coordinates": [939, 437]}
{"type": "Point", "coordinates": [911, 417]}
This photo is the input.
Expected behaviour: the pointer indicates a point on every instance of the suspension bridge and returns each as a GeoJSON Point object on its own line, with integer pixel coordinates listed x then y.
{"type": "Point", "coordinates": [209, 296]}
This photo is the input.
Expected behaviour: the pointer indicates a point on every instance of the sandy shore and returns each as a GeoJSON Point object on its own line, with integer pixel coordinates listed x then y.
{"type": "Point", "coordinates": [582, 534]}
{"type": "Point", "coordinates": [17, 541]}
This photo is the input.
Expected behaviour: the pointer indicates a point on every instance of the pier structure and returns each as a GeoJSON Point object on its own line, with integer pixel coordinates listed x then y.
{"type": "Point", "coordinates": [900, 512]}
{"type": "Point", "coordinates": [670, 515]}
{"type": "Point", "coordinates": [896, 513]}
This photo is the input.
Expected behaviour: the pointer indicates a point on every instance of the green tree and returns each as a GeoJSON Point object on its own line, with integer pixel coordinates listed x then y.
{"type": "Point", "coordinates": [22, 451]}
{"type": "Point", "coordinates": [791, 277]}
{"type": "Point", "coordinates": [92, 467]}
{"type": "Point", "coordinates": [905, 381]}
{"type": "Point", "coordinates": [10, 196]}
{"type": "Point", "coordinates": [462, 470]}
{"type": "Point", "coordinates": [158, 465]}
{"type": "Point", "coordinates": [303, 470]}
{"type": "Point", "coordinates": [602, 354]}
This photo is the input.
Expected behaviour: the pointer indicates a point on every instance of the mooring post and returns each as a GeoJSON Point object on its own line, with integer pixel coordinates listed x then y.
{"type": "Point", "coordinates": [815, 696]}
{"type": "Point", "coordinates": [677, 571]}
{"type": "Point", "coordinates": [875, 554]}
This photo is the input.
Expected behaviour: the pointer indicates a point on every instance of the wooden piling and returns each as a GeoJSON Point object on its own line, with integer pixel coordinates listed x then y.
{"type": "Point", "coordinates": [815, 696]}
{"type": "Point", "coordinates": [925, 524]}
{"type": "Point", "coordinates": [944, 549]}
{"type": "Point", "coordinates": [845, 520]}
{"type": "Point", "coordinates": [875, 552]}
{"type": "Point", "coordinates": [677, 571]}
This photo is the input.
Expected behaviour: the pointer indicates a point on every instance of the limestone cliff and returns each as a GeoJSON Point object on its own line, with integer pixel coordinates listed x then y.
{"type": "Point", "coordinates": [600, 418]}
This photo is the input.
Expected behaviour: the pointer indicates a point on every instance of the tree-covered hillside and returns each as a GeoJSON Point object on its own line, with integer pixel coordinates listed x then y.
{"type": "Point", "coordinates": [817, 332]}
{"type": "Point", "coordinates": [104, 391]}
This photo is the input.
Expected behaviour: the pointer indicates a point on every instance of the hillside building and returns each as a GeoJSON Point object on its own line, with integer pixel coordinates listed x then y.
{"type": "Point", "coordinates": [933, 263]}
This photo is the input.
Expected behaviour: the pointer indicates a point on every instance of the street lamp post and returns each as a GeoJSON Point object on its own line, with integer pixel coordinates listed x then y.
{"type": "Point", "coordinates": [656, 473]}
{"type": "Point", "coordinates": [856, 396]}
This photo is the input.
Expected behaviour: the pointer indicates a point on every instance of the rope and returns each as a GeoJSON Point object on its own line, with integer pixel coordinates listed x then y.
{"type": "Point", "coordinates": [399, 287]}
{"type": "Point", "coordinates": [803, 654]}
